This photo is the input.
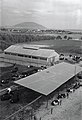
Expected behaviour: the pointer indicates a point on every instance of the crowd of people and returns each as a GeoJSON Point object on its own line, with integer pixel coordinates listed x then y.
{"type": "Point", "coordinates": [58, 100]}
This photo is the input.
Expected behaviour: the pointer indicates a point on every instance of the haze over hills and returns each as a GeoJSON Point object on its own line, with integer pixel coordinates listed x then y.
{"type": "Point", "coordinates": [30, 25]}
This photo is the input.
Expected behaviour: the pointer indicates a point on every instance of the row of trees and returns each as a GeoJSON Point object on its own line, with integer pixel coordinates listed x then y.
{"type": "Point", "coordinates": [6, 39]}
{"type": "Point", "coordinates": [17, 38]}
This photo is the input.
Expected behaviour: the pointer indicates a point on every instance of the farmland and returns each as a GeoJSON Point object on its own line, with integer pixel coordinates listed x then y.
{"type": "Point", "coordinates": [62, 43]}
{"type": "Point", "coordinates": [63, 46]}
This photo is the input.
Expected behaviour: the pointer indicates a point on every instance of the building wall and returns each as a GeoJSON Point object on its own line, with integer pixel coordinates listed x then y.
{"type": "Point", "coordinates": [29, 60]}
{"type": "Point", "coordinates": [53, 59]}
{"type": "Point", "coordinates": [24, 60]}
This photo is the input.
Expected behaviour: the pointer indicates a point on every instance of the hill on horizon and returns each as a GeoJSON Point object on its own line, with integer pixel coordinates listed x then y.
{"type": "Point", "coordinates": [29, 25]}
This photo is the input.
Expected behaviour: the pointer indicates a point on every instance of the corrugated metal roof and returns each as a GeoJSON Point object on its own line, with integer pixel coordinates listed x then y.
{"type": "Point", "coordinates": [50, 79]}
{"type": "Point", "coordinates": [20, 49]}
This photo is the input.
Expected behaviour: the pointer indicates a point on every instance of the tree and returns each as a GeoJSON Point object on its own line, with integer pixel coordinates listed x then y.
{"type": "Point", "coordinates": [65, 37]}
{"type": "Point", "coordinates": [58, 37]}
{"type": "Point", "coordinates": [69, 38]}
{"type": "Point", "coordinates": [81, 38]}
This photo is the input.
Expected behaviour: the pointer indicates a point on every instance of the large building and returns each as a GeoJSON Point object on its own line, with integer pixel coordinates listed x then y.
{"type": "Point", "coordinates": [26, 54]}
{"type": "Point", "coordinates": [50, 79]}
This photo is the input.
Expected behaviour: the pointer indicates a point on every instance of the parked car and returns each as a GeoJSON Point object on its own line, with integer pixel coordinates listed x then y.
{"type": "Point", "coordinates": [55, 102]}
{"type": "Point", "coordinates": [76, 85]}
{"type": "Point", "coordinates": [29, 66]}
{"type": "Point", "coordinates": [61, 57]}
{"type": "Point", "coordinates": [39, 70]}
{"type": "Point", "coordinates": [76, 58]}
{"type": "Point", "coordinates": [79, 76]}
{"type": "Point", "coordinates": [13, 87]}
{"type": "Point", "coordinates": [70, 90]}
{"type": "Point", "coordinates": [4, 82]}
{"type": "Point", "coordinates": [43, 67]}
{"type": "Point", "coordinates": [14, 70]}
{"type": "Point", "coordinates": [15, 97]}
{"type": "Point", "coordinates": [30, 71]}
{"type": "Point", "coordinates": [14, 76]}
{"type": "Point", "coordinates": [70, 60]}
{"type": "Point", "coordinates": [59, 96]}
{"type": "Point", "coordinates": [80, 83]}
{"type": "Point", "coordinates": [6, 96]}
{"type": "Point", "coordinates": [63, 95]}
{"type": "Point", "coordinates": [22, 76]}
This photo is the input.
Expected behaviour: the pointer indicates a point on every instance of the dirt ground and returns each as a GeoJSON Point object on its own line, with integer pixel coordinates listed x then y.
{"type": "Point", "coordinates": [70, 109]}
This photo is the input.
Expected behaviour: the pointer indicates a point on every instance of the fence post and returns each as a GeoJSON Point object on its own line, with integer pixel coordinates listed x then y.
{"type": "Point", "coordinates": [47, 103]}
{"type": "Point", "coordinates": [35, 118]}
{"type": "Point", "coordinates": [31, 114]}
{"type": "Point", "coordinates": [51, 110]}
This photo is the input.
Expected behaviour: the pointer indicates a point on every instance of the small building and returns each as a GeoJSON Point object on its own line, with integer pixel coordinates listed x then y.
{"type": "Point", "coordinates": [26, 54]}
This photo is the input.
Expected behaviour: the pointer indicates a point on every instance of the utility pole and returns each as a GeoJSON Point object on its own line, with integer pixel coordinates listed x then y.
{"type": "Point", "coordinates": [75, 73]}
{"type": "Point", "coordinates": [2, 12]}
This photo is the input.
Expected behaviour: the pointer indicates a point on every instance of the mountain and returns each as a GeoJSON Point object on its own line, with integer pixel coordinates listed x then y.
{"type": "Point", "coordinates": [30, 25]}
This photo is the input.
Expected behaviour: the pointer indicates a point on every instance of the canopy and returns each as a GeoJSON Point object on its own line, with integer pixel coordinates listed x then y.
{"type": "Point", "coordinates": [50, 79]}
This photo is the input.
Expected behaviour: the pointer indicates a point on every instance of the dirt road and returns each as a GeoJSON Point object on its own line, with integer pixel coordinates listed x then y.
{"type": "Point", "coordinates": [70, 109]}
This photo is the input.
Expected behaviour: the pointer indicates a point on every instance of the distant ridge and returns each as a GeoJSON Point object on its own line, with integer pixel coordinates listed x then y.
{"type": "Point", "coordinates": [75, 30]}
{"type": "Point", "coordinates": [29, 25]}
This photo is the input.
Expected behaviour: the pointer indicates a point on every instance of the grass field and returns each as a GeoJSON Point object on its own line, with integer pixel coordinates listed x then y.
{"type": "Point", "coordinates": [63, 46]}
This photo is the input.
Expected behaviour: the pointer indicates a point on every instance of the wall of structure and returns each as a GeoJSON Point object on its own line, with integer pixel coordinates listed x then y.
{"type": "Point", "coordinates": [19, 59]}
{"type": "Point", "coordinates": [27, 59]}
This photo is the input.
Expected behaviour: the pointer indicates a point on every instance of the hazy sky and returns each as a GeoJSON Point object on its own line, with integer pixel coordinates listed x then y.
{"type": "Point", "coordinates": [57, 14]}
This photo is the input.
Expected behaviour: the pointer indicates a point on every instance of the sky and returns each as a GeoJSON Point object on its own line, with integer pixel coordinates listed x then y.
{"type": "Point", "coordinates": [53, 14]}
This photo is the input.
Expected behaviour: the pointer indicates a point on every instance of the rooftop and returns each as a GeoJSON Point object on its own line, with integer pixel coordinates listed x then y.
{"type": "Point", "coordinates": [33, 50]}
{"type": "Point", "coordinates": [50, 79]}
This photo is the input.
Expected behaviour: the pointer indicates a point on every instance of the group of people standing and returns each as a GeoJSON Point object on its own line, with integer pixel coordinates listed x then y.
{"type": "Point", "coordinates": [64, 96]}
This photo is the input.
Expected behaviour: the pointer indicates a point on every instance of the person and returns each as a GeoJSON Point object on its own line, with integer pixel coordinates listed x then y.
{"type": "Point", "coordinates": [67, 95]}
{"type": "Point", "coordinates": [51, 110]}
{"type": "Point", "coordinates": [8, 90]}
{"type": "Point", "coordinates": [35, 118]}
{"type": "Point", "coordinates": [60, 101]}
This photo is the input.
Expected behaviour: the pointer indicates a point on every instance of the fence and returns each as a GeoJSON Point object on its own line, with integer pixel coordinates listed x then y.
{"type": "Point", "coordinates": [25, 112]}
{"type": "Point", "coordinates": [39, 108]}
{"type": "Point", "coordinates": [33, 110]}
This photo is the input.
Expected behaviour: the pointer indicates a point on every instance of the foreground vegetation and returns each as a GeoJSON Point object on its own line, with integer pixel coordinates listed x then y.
{"type": "Point", "coordinates": [8, 39]}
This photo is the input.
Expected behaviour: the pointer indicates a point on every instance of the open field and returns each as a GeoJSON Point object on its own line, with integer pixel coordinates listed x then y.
{"type": "Point", "coordinates": [8, 38]}
{"type": "Point", "coordinates": [63, 46]}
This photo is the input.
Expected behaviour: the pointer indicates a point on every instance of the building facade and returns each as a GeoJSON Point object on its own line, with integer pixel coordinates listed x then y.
{"type": "Point", "coordinates": [30, 55]}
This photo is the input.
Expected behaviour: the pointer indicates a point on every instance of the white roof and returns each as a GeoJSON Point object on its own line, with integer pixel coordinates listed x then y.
{"type": "Point", "coordinates": [31, 50]}
{"type": "Point", "coordinates": [50, 79]}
